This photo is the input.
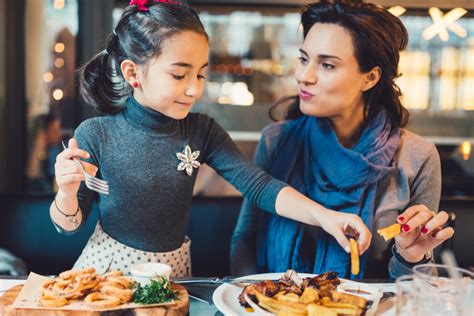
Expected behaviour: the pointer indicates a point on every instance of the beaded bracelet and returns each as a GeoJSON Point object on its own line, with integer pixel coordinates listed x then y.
{"type": "Point", "coordinates": [427, 258]}
{"type": "Point", "coordinates": [71, 218]}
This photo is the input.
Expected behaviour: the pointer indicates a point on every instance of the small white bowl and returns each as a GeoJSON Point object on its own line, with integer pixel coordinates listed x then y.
{"type": "Point", "coordinates": [367, 291]}
{"type": "Point", "coordinates": [145, 272]}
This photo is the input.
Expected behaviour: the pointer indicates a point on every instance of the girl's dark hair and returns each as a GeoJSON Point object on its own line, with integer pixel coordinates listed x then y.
{"type": "Point", "coordinates": [138, 36]}
{"type": "Point", "coordinates": [378, 36]}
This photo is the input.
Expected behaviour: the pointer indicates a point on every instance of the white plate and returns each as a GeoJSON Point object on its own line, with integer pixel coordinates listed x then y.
{"type": "Point", "coordinates": [226, 296]}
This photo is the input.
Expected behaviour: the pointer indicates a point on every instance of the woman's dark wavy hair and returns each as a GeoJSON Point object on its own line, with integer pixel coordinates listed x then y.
{"type": "Point", "coordinates": [378, 36]}
{"type": "Point", "coordinates": [138, 36]}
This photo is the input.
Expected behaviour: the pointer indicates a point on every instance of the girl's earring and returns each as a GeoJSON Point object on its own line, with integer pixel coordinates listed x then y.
{"type": "Point", "coordinates": [135, 84]}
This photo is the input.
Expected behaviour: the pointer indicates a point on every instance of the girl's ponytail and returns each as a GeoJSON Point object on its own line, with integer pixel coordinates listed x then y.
{"type": "Point", "coordinates": [99, 84]}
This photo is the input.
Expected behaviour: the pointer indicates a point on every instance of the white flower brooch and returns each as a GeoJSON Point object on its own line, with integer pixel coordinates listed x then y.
{"type": "Point", "coordinates": [188, 160]}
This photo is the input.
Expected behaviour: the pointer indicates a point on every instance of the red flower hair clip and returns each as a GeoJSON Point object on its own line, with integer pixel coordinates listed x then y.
{"type": "Point", "coordinates": [140, 4]}
{"type": "Point", "coordinates": [169, 2]}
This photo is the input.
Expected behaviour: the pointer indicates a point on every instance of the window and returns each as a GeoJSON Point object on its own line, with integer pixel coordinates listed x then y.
{"type": "Point", "coordinates": [253, 55]}
{"type": "Point", "coordinates": [436, 72]}
{"type": "Point", "coordinates": [254, 52]}
{"type": "Point", "coordinates": [50, 32]}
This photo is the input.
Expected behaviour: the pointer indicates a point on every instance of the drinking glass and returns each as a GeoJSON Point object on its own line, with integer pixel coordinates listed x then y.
{"type": "Point", "coordinates": [405, 299]}
{"type": "Point", "coordinates": [443, 290]}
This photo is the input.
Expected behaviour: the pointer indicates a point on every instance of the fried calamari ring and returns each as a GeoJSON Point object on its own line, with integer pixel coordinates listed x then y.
{"type": "Point", "coordinates": [73, 273]}
{"type": "Point", "coordinates": [100, 300]}
{"type": "Point", "coordinates": [65, 287]}
{"type": "Point", "coordinates": [88, 286]}
{"type": "Point", "coordinates": [88, 277]}
{"type": "Point", "coordinates": [125, 295]}
{"type": "Point", "coordinates": [126, 282]}
{"type": "Point", "coordinates": [112, 274]}
{"type": "Point", "coordinates": [53, 301]}
{"type": "Point", "coordinates": [48, 284]}
{"type": "Point", "coordinates": [107, 283]}
{"type": "Point", "coordinates": [67, 295]}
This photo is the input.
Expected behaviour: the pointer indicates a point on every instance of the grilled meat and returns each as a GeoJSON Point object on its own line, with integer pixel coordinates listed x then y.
{"type": "Point", "coordinates": [325, 283]}
{"type": "Point", "coordinates": [322, 279]}
{"type": "Point", "coordinates": [290, 282]}
{"type": "Point", "coordinates": [267, 288]}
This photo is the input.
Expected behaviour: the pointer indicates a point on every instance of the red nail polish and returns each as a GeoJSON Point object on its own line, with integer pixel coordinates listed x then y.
{"type": "Point", "coordinates": [424, 230]}
{"type": "Point", "coordinates": [405, 227]}
{"type": "Point", "coordinates": [401, 219]}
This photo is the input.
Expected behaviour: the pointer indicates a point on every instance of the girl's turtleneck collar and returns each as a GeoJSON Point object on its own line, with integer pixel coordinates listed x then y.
{"type": "Point", "coordinates": [146, 118]}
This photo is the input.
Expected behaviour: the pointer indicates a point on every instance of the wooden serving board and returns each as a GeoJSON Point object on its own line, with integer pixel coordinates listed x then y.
{"type": "Point", "coordinates": [179, 309]}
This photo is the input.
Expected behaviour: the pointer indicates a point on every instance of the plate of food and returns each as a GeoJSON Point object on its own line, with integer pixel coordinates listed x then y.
{"type": "Point", "coordinates": [291, 293]}
{"type": "Point", "coordinates": [86, 292]}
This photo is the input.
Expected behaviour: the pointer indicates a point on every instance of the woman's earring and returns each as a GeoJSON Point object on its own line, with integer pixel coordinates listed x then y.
{"type": "Point", "coordinates": [135, 84]}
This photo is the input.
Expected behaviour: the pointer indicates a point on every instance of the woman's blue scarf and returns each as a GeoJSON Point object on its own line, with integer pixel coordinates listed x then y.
{"type": "Point", "coordinates": [311, 159]}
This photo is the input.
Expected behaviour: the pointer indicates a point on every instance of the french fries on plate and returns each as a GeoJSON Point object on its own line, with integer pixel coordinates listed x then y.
{"type": "Point", "coordinates": [313, 296]}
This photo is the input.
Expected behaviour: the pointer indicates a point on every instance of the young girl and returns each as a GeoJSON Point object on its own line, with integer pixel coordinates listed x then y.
{"type": "Point", "coordinates": [343, 144]}
{"type": "Point", "coordinates": [149, 148]}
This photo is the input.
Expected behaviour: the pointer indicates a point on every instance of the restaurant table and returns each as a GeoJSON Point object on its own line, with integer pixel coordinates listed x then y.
{"type": "Point", "coordinates": [200, 300]}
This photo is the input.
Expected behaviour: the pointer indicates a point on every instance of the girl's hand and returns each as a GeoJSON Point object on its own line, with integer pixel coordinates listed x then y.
{"type": "Point", "coordinates": [422, 231]}
{"type": "Point", "coordinates": [68, 173]}
{"type": "Point", "coordinates": [339, 224]}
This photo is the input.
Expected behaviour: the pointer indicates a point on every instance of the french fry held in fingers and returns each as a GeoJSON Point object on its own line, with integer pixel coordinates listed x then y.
{"type": "Point", "coordinates": [355, 265]}
{"type": "Point", "coordinates": [390, 232]}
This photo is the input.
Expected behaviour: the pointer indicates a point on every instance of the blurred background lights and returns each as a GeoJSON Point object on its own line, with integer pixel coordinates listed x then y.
{"type": "Point", "coordinates": [59, 63]}
{"type": "Point", "coordinates": [58, 94]}
{"type": "Point", "coordinates": [466, 147]}
{"type": "Point", "coordinates": [59, 4]}
{"type": "Point", "coordinates": [48, 77]}
{"type": "Point", "coordinates": [59, 47]}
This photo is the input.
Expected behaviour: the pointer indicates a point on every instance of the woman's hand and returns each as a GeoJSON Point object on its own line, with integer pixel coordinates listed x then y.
{"type": "Point", "coordinates": [339, 224]}
{"type": "Point", "coordinates": [422, 231]}
{"type": "Point", "coordinates": [68, 173]}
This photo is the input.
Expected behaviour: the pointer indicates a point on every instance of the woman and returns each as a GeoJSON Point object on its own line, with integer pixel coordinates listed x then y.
{"type": "Point", "coordinates": [343, 145]}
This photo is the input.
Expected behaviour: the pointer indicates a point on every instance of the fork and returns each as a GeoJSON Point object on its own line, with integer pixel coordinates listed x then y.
{"type": "Point", "coordinates": [93, 183]}
{"type": "Point", "coordinates": [240, 282]}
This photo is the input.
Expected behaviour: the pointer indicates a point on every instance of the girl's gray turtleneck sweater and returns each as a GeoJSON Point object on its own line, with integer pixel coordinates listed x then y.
{"type": "Point", "coordinates": [135, 151]}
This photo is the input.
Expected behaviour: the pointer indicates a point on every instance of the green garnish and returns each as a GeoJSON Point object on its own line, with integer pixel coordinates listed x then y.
{"type": "Point", "coordinates": [158, 291]}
